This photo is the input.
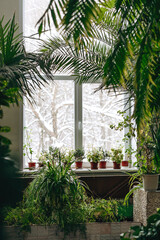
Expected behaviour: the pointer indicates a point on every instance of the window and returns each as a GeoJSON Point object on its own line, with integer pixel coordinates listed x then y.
{"type": "Point", "coordinates": [68, 115]}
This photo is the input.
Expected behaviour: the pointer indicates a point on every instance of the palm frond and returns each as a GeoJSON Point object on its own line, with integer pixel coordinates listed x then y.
{"type": "Point", "coordinates": [137, 42]}
{"type": "Point", "coordinates": [22, 71]}
{"type": "Point", "coordinates": [72, 17]}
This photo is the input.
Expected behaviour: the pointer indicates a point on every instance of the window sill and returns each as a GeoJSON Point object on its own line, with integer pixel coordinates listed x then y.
{"type": "Point", "coordinates": [87, 172]}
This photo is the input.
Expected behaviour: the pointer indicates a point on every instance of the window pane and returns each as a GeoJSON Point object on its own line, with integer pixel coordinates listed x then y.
{"type": "Point", "coordinates": [99, 112]}
{"type": "Point", "coordinates": [50, 121]}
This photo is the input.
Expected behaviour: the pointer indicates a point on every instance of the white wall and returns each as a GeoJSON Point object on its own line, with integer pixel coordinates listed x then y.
{"type": "Point", "coordinates": [12, 115]}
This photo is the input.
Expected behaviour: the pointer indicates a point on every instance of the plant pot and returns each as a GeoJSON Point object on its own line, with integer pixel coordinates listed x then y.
{"type": "Point", "coordinates": [41, 164]}
{"type": "Point", "coordinates": [116, 165]}
{"type": "Point", "coordinates": [125, 163]}
{"type": "Point", "coordinates": [150, 182]}
{"type": "Point", "coordinates": [102, 164]}
{"type": "Point", "coordinates": [94, 165]}
{"type": "Point", "coordinates": [78, 164]}
{"type": "Point", "coordinates": [32, 165]}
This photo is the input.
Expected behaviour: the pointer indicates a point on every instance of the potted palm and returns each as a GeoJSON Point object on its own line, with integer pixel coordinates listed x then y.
{"type": "Point", "coordinates": [79, 155]}
{"type": "Point", "coordinates": [117, 157]}
{"type": "Point", "coordinates": [94, 157]}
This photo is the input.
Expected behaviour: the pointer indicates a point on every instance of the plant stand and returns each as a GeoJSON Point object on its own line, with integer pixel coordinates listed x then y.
{"type": "Point", "coordinates": [145, 204]}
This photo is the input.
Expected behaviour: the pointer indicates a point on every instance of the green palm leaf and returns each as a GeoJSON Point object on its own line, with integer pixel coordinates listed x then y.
{"type": "Point", "coordinates": [71, 16]}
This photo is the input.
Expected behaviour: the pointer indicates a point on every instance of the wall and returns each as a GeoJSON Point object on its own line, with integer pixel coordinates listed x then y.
{"type": "Point", "coordinates": [94, 231]}
{"type": "Point", "coordinates": [12, 116]}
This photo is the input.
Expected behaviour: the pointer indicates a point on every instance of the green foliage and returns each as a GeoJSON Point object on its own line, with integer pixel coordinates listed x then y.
{"type": "Point", "coordinates": [101, 210]}
{"type": "Point", "coordinates": [126, 123]}
{"type": "Point", "coordinates": [95, 155]}
{"type": "Point", "coordinates": [19, 71]}
{"type": "Point", "coordinates": [57, 191]}
{"type": "Point", "coordinates": [19, 74]}
{"type": "Point", "coordinates": [65, 12]}
{"type": "Point", "coordinates": [133, 61]}
{"type": "Point", "coordinates": [56, 196]}
{"type": "Point", "coordinates": [78, 154]}
{"type": "Point", "coordinates": [27, 147]}
{"type": "Point", "coordinates": [149, 232]}
{"type": "Point", "coordinates": [116, 155]}
{"type": "Point", "coordinates": [52, 155]}
{"type": "Point", "coordinates": [24, 217]}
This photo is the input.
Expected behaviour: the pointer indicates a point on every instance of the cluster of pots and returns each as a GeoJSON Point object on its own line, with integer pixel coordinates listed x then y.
{"type": "Point", "coordinates": [102, 165]}
{"type": "Point", "coordinates": [94, 165]}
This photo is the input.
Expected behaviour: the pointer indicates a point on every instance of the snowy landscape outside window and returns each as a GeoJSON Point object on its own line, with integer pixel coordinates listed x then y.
{"type": "Point", "coordinates": [99, 112]}
{"type": "Point", "coordinates": [50, 121]}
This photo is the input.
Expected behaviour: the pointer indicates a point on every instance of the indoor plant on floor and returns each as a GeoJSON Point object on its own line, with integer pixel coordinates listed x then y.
{"type": "Point", "coordinates": [94, 157]}
{"type": "Point", "coordinates": [147, 166]}
{"type": "Point", "coordinates": [79, 155]}
{"type": "Point", "coordinates": [117, 157]}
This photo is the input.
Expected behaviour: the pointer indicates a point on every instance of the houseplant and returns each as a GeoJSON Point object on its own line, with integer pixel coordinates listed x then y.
{"type": "Point", "coordinates": [117, 157]}
{"type": "Point", "coordinates": [149, 232]}
{"type": "Point", "coordinates": [27, 149]}
{"type": "Point", "coordinates": [79, 155]}
{"type": "Point", "coordinates": [66, 157]}
{"type": "Point", "coordinates": [102, 163]}
{"type": "Point", "coordinates": [94, 157]}
{"type": "Point", "coordinates": [146, 165]}
{"type": "Point", "coordinates": [52, 155]}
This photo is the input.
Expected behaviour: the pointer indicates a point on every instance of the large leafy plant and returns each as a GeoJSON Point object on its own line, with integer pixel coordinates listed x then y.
{"type": "Point", "coordinates": [149, 232]}
{"type": "Point", "coordinates": [20, 72]}
{"type": "Point", "coordinates": [59, 194]}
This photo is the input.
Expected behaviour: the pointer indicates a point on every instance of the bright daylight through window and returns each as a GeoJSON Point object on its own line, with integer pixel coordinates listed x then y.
{"type": "Point", "coordinates": [54, 118]}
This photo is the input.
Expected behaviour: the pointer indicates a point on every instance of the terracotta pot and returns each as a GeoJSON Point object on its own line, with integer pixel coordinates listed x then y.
{"type": "Point", "coordinates": [31, 165]}
{"type": "Point", "coordinates": [78, 164]}
{"type": "Point", "coordinates": [94, 165]}
{"type": "Point", "coordinates": [125, 163]}
{"type": "Point", "coordinates": [102, 164]}
{"type": "Point", "coordinates": [150, 182]}
{"type": "Point", "coordinates": [116, 165]}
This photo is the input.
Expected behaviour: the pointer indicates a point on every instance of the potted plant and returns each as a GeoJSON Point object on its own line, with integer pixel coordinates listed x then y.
{"type": "Point", "coordinates": [102, 163]}
{"type": "Point", "coordinates": [66, 158]}
{"type": "Point", "coordinates": [94, 157]}
{"type": "Point", "coordinates": [147, 165]}
{"type": "Point", "coordinates": [44, 158]}
{"type": "Point", "coordinates": [79, 155]}
{"type": "Point", "coordinates": [28, 151]}
{"type": "Point", "coordinates": [117, 157]}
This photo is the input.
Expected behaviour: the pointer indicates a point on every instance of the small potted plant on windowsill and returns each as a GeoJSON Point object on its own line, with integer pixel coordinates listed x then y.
{"type": "Point", "coordinates": [117, 157]}
{"type": "Point", "coordinates": [28, 151]}
{"type": "Point", "coordinates": [44, 158]}
{"type": "Point", "coordinates": [103, 162]}
{"type": "Point", "coordinates": [94, 157]}
{"type": "Point", "coordinates": [79, 155]}
{"type": "Point", "coordinates": [66, 158]}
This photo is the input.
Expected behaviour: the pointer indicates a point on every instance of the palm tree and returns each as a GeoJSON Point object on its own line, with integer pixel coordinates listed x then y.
{"type": "Point", "coordinates": [20, 73]}
{"type": "Point", "coordinates": [134, 59]}
{"type": "Point", "coordinates": [18, 69]}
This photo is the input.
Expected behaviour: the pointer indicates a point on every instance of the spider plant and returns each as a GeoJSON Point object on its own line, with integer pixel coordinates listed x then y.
{"type": "Point", "coordinates": [59, 194]}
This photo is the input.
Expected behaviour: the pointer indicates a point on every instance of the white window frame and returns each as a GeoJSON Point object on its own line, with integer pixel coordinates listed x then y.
{"type": "Point", "coordinates": [78, 117]}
